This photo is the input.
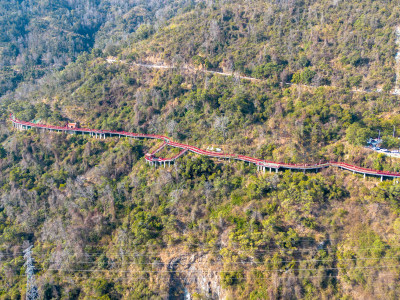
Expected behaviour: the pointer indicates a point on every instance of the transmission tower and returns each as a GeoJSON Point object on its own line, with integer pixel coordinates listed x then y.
{"type": "Point", "coordinates": [31, 288]}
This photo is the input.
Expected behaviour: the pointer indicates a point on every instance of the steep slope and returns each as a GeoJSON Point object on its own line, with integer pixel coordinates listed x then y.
{"type": "Point", "coordinates": [105, 225]}
{"type": "Point", "coordinates": [41, 36]}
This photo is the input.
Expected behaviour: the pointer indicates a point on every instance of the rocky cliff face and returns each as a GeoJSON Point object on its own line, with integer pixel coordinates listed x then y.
{"type": "Point", "coordinates": [192, 275]}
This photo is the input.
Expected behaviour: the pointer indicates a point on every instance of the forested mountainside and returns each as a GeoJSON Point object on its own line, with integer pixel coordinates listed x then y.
{"type": "Point", "coordinates": [38, 37]}
{"type": "Point", "coordinates": [106, 225]}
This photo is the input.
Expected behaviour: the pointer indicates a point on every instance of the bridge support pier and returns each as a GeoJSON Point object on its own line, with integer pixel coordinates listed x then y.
{"type": "Point", "coordinates": [364, 175]}
{"type": "Point", "coordinates": [276, 170]}
{"type": "Point", "coordinates": [270, 170]}
{"type": "Point", "coordinates": [381, 178]}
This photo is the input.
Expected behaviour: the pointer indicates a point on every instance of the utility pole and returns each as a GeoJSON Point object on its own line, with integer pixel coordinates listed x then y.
{"type": "Point", "coordinates": [31, 288]}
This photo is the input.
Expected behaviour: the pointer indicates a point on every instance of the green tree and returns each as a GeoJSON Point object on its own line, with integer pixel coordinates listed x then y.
{"type": "Point", "coordinates": [357, 135]}
{"type": "Point", "coordinates": [390, 142]}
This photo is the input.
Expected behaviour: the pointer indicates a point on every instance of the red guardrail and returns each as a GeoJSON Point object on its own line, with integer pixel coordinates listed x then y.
{"type": "Point", "coordinates": [209, 153]}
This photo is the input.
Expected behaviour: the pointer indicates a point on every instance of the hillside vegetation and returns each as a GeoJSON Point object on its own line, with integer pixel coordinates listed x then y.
{"type": "Point", "coordinates": [105, 225]}
{"type": "Point", "coordinates": [38, 37]}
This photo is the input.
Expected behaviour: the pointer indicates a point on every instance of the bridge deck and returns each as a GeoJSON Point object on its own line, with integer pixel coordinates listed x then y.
{"type": "Point", "coordinates": [263, 164]}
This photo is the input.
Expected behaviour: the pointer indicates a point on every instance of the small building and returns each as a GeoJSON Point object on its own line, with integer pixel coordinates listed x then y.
{"type": "Point", "coordinates": [72, 125]}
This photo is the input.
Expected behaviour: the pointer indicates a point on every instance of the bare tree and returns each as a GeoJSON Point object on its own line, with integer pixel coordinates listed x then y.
{"type": "Point", "coordinates": [221, 124]}
{"type": "Point", "coordinates": [172, 128]}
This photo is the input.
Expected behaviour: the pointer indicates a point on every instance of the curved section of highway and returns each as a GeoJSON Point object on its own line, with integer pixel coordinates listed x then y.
{"type": "Point", "coordinates": [262, 165]}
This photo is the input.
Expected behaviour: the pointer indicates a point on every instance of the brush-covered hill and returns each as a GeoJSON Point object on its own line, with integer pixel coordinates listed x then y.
{"type": "Point", "coordinates": [38, 37]}
{"type": "Point", "coordinates": [105, 225]}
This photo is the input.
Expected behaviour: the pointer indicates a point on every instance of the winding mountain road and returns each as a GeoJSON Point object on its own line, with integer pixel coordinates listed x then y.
{"type": "Point", "coordinates": [262, 165]}
{"type": "Point", "coordinates": [187, 67]}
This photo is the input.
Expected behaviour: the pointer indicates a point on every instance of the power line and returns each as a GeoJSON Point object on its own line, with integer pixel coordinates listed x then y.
{"type": "Point", "coordinates": [249, 262]}
{"type": "Point", "coordinates": [149, 254]}
{"type": "Point", "coordinates": [226, 271]}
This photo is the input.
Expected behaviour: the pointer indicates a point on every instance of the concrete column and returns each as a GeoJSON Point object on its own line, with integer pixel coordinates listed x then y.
{"type": "Point", "coordinates": [381, 178]}
{"type": "Point", "coordinates": [270, 170]}
{"type": "Point", "coordinates": [169, 163]}
{"type": "Point", "coordinates": [364, 175]}
{"type": "Point", "coordinates": [276, 170]}
{"type": "Point", "coordinates": [264, 169]}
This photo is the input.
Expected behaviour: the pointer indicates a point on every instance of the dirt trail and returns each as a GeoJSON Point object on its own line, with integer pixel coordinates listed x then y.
{"type": "Point", "coordinates": [396, 90]}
